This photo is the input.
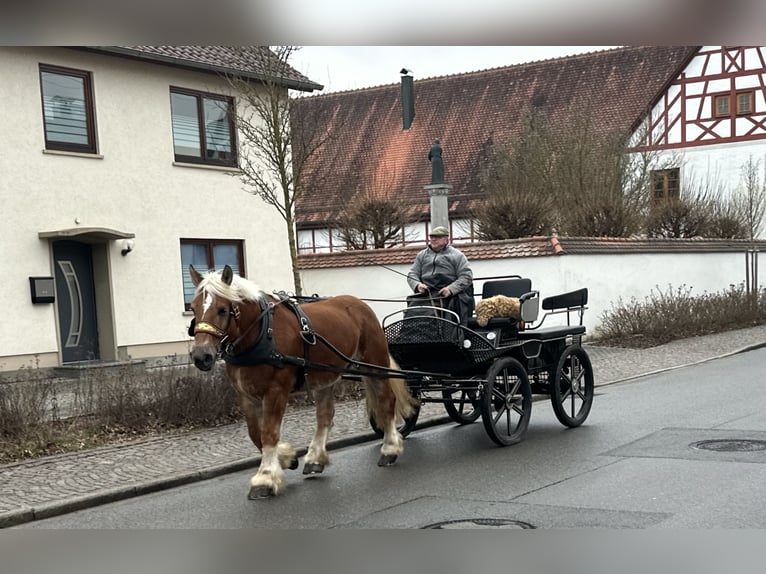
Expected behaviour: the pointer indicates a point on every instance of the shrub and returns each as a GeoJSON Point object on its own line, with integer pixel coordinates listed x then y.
{"type": "Point", "coordinates": [674, 314]}
{"type": "Point", "coordinates": [41, 416]}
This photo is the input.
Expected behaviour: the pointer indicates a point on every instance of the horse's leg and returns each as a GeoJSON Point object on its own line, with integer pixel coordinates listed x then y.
{"type": "Point", "coordinates": [268, 480]}
{"type": "Point", "coordinates": [316, 456]}
{"type": "Point", "coordinates": [381, 404]}
{"type": "Point", "coordinates": [253, 411]}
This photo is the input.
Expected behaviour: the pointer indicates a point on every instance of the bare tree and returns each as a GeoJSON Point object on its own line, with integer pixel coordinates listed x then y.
{"type": "Point", "coordinates": [690, 214]}
{"type": "Point", "coordinates": [372, 219]}
{"type": "Point", "coordinates": [571, 178]}
{"type": "Point", "coordinates": [751, 197]}
{"type": "Point", "coordinates": [514, 177]}
{"type": "Point", "coordinates": [276, 139]}
{"type": "Point", "coordinates": [600, 183]}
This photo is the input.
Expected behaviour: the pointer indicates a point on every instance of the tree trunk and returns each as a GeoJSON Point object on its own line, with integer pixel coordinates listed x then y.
{"type": "Point", "coordinates": [292, 240]}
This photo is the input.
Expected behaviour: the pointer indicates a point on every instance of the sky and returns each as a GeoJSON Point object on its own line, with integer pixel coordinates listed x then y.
{"type": "Point", "coordinates": [340, 68]}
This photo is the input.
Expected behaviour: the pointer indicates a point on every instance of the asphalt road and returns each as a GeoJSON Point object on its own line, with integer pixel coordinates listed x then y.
{"type": "Point", "coordinates": [639, 462]}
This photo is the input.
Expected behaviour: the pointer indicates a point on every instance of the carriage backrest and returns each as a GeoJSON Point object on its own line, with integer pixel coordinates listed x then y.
{"type": "Point", "coordinates": [508, 287]}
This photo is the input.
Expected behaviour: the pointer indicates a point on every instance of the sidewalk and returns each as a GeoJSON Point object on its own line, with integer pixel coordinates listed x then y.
{"type": "Point", "coordinates": [49, 486]}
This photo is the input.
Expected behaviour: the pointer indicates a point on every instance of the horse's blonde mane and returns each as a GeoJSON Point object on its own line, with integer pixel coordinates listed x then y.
{"type": "Point", "coordinates": [240, 290]}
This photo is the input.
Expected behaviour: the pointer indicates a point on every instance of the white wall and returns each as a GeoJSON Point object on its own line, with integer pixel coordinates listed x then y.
{"type": "Point", "coordinates": [608, 278]}
{"type": "Point", "coordinates": [134, 186]}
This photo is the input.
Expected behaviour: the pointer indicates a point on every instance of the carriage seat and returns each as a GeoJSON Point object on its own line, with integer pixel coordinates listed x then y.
{"type": "Point", "coordinates": [519, 287]}
{"type": "Point", "coordinates": [573, 300]}
{"type": "Point", "coordinates": [551, 333]}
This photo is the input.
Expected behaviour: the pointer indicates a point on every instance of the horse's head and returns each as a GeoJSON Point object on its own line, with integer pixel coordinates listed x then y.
{"type": "Point", "coordinates": [213, 316]}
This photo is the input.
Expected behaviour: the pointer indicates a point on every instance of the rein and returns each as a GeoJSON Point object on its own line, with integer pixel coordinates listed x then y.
{"type": "Point", "coordinates": [264, 351]}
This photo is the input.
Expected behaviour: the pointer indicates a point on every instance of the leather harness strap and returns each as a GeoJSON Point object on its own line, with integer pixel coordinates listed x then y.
{"type": "Point", "coordinates": [264, 349]}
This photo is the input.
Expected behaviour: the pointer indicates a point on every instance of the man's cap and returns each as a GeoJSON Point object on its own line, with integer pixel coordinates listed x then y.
{"type": "Point", "coordinates": [439, 231]}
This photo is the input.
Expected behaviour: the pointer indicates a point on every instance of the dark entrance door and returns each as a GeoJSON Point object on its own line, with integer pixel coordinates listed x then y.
{"type": "Point", "coordinates": [76, 295]}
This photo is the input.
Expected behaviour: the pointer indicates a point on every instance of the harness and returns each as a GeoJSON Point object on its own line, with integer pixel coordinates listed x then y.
{"type": "Point", "coordinates": [264, 349]}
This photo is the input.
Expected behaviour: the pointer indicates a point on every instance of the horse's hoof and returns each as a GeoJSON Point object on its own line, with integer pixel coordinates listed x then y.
{"type": "Point", "coordinates": [260, 492]}
{"type": "Point", "coordinates": [293, 464]}
{"type": "Point", "coordinates": [312, 468]}
{"type": "Point", "coordinates": [387, 459]}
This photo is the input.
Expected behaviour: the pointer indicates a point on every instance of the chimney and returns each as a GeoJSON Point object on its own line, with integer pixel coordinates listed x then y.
{"type": "Point", "coordinates": [408, 98]}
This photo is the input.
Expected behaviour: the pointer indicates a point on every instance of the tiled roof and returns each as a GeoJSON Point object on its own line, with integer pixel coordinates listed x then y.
{"type": "Point", "coordinates": [467, 112]}
{"type": "Point", "coordinates": [581, 245]}
{"type": "Point", "coordinates": [531, 247]}
{"type": "Point", "coordinates": [524, 247]}
{"type": "Point", "coordinates": [246, 61]}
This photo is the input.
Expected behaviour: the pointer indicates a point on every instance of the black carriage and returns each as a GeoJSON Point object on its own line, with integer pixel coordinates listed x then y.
{"type": "Point", "coordinates": [493, 371]}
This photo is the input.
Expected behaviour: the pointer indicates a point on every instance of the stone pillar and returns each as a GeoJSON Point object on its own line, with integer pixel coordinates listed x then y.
{"type": "Point", "coordinates": [438, 192]}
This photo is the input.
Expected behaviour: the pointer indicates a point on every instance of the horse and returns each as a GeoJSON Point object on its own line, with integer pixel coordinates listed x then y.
{"type": "Point", "coordinates": [273, 345]}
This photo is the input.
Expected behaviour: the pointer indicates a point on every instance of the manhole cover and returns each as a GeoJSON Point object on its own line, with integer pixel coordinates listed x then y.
{"type": "Point", "coordinates": [730, 445]}
{"type": "Point", "coordinates": [478, 523]}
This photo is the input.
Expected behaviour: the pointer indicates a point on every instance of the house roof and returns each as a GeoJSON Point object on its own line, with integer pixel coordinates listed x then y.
{"type": "Point", "coordinates": [252, 62]}
{"type": "Point", "coordinates": [369, 147]}
{"type": "Point", "coordinates": [532, 247]}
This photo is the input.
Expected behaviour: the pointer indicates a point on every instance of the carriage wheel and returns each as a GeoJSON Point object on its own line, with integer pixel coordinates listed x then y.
{"type": "Point", "coordinates": [572, 388]}
{"type": "Point", "coordinates": [506, 403]}
{"type": "Point", "coordinates": [404, 428]}
{"type": "Point", "coordinates": [460, 406]}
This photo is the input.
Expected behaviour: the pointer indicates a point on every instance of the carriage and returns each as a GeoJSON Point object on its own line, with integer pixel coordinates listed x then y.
{"type": "Point", "coordinates": [273, 344]}
{"type": "Point", "coordinates": [492, 371]}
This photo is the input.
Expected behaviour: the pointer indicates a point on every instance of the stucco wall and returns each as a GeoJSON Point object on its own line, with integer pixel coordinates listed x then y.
{"type": "Point", "coordinates": [608, 278]}
{"type": "Point", "coordinates": [132, 186]}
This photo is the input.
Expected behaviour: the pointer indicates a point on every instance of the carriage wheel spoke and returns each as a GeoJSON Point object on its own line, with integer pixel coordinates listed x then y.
{"type": "Point", "coordinates": [506, 406]}
{"type": "Point", "coordinates": [572, 391]}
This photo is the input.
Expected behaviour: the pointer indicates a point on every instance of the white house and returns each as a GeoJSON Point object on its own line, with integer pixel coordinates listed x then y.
{"type": "Point", "coordinates": [116, 170]}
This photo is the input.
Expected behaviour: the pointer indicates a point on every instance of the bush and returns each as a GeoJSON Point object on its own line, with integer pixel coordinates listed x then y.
{"type": "Point", "coordinates": [675, 314]}
{"type": "Point", "coordinates": [41, 416]}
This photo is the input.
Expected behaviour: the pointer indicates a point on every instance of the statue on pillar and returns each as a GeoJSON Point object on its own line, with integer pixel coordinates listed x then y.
{"type": "Point", "coordinates": [437, 163]}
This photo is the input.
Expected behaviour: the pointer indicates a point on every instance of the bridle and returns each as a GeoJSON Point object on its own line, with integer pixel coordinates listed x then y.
{"type": "Point", "coordinates": [224, 346]}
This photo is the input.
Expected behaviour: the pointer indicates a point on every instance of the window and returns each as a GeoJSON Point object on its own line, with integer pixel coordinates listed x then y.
{"type": "Point", "coordinates": [207, 255]}
{"type": "Point", "coordinates": [203, 130]}
{"type": "Point", "coordinates": [68, 116]}
{"type": "Point", "coordinates": [666, 184]}
{"type": "Point", "coordinates": [722, 107]}
{"type": "Point", "coordinates": [744, 103]}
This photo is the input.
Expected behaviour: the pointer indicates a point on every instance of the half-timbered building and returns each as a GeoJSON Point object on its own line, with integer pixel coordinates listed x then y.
{"type": "Point", "coordinates": [710, 118]}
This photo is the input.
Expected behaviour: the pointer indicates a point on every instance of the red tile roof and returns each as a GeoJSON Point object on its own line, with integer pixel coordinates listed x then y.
{"type": "Point", "coordinates": [467, 112]}
{"type": "Point", "coordinates": [246, 61]}
{"type": "Point", "coordinates": [532, 247]}
{"type": "Point", "coordinates": [525, 247]}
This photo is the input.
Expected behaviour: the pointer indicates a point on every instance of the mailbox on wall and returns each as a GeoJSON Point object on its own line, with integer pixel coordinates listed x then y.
{"type": "Point", "coordinates": [43, 289]}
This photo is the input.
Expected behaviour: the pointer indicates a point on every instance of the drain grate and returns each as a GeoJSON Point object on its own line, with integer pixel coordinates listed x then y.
{"type": "Point", "coordinates": [479, 523]}
{"type": "Point", "coordinates": [730, 445]}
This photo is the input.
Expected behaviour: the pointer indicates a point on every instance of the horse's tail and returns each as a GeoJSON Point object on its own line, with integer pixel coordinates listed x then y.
{"type": "Point", "coordinates": [405, 402]}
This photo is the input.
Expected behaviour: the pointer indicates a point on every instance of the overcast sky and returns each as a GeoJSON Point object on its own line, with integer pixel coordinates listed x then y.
{"type": "Point", "coordinates": [340, 68]}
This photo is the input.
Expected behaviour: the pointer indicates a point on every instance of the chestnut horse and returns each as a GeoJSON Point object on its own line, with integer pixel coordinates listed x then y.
{"type": "Point", "coordinates": [272, 345]}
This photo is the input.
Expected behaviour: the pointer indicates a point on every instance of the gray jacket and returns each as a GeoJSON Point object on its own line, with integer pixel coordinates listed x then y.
{"type": "Point", "coordinates": [438, 269]}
